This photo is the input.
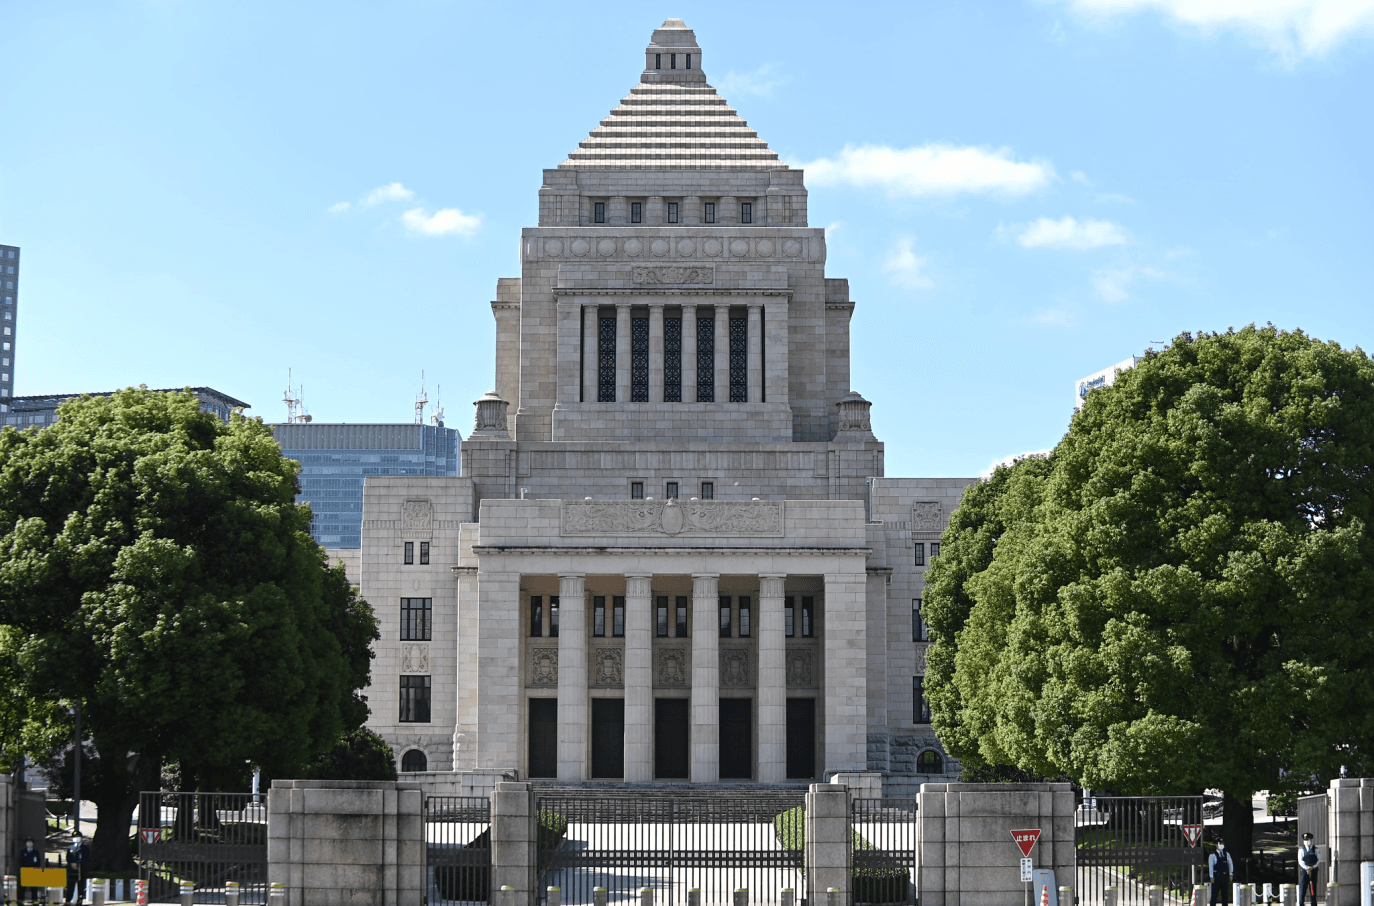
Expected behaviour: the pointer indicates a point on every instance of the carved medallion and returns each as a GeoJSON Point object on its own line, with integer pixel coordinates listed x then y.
{"type": "Point", "coordinates": [686, 248]}
{"type": "Point", "coordinates": [580, 247]}
{"type": "Point", "coordinates": [673, 517]}
{"type": "Point", "coordinates": [658, 248]}
{"type": "Point", "coordinates": [608, 666]}
{"type": "Point", "coordinates": [735, 669]}
{"type": "Point", "coordinates": [764, 248]}
{"type": "Point", "coordinates": [633, 247]}
{"type": "Point", "coordinates": [791, 248]}
{"type": "Point", "coordinates": [925, 515]}
{"type": "Point", "coordinates": [671, 669]}
{"type": "Point", "coordinates": [651, 276]}
{"type": "Point", "coordinates": [553, 247]}
{"type": "Point", "coordinates": [712, 247]}
{"type": "Point", "coordinates": [605, 248]}
{"type": "Point", "coordinates": [414, 658]}
{"type": "Point", "coordinates": [739, 248]}
{"type": "Point", "coordinates": [799, 667]}
{"type": "Point", "coordinates": [417, 516]}
{"type": "Point", "coordinates": [544, 667]}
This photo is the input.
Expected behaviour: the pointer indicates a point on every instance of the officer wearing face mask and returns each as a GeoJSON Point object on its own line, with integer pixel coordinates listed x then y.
{"type": "Point", "coordinates": [29, 857]}
{"type": "Point", "coordinates": [1220, 870]}
{"type": "Point", "coordinates": [1308, 860]}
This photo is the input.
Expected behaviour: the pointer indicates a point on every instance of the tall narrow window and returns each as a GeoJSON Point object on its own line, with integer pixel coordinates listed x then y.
{"type": "Point", "coordinates": [605, 378]}
{"type": "Point", "coordinates": [724, 616]}
{"type": "Point", "coordinates": [746, 212]}
{"type": "Point", "coordinates": [415, 619]}
{"type": "Point", "coordinates": [708, 490]}
{"type": "Point", "coordinates": [636, 212]}
{"type": "Point", "coordinates": [744, 622]}
{"type": "Point", "coordinates": [918, 625]}
{"type": "Point", "coordinates": [934, 550]}
{"type": "Point", "coordinates": [789, 613]}
{"type": "Point", "coordinates": [709, 212]}
{"type": "Point", "coordinates": [409, 554]}
{"type": "Point", "coordinates": [618, 616]}
{"type": "Point", "coordinates": [553, 616]}
{"type": "Point", "coordinates": [639, 360]}
{"type": "Point", "coordinates": [672, 61]}
{"type": "Point", "coordinates": [689, 61]}
{"type": "Point", "coordinates": [672, 212]}
{"type": "Point", "coordinates": [414, 699]}
{"type": "Point", "coordinates": [681, 629]}
{"type": "Point", "coordinates": [662, 616]}
{"type": "Point", "coordinates": [920, 553]}
{"type": "Point", "coordinates": [920, 708]}
{"type": "Point", "coordinates": [706, 359]}
{"type": "Point", "coordinates": [672, 360]}
{"type": "Point", "coordinates": [808, 625]}
{"type": "Point", "coordinates": [739, 360]}
{"type": "Point", "coordinates": [536, 616]}
{"type": "Point", "coordinates": [424, 553]}
{"type": "Point", "coordinates": [600, 212]}
{"type": "Point", "coordinates": [658, 61]}
{"type": "Point", "coordinates": [670, 490]}
{"type": "Point", "coordinates": [599, 616]}
{"type": "Point", "coordinates": [636, 490]}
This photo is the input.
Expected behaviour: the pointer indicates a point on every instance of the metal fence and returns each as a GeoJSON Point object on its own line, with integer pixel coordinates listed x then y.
{"type": "Point", "coordinates": [1134, 842]}
{"type": "Point", "coordinates": [717, 842]}
{"type": "Point", "coordinates": [208, 839]}
{"type": "Point", "coordinates": [458, 849]}
{"type": "Point", "coordinates": [884, 851]}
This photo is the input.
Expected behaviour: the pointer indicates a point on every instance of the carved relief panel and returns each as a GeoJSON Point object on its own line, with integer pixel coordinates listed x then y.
{"type": "Point", "coordinates": [414, 658]}
{"type": "Point", "coordinates": [607, 665]}
{"type": "Point", "coordinates": [801, 672]}
{"type": "Point", "coordinates": [417, 519]}
{"type": "Point", "coordinates": [670, 667]}
{"type": "Point", "coordinates": [736, 667]}
{"type": "Point", "coordinates": [544, 667]}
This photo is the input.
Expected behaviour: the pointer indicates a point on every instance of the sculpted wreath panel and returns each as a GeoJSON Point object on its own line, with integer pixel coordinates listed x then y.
{"type": "Point", "coordinates": [672, 517]}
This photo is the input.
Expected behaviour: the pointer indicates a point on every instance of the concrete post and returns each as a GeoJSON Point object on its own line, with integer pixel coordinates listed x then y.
{"type": "Point", "coordinates": [772, 688]}
{"type": "Point", "coordinates": [1333, 893]}
{"type": "Point", "coordinates": [1110, 896]}
{"type": "Point", "coordinates": [1350, 836]}
{"type": "Point", "coordinates": [639, 685]}
{"type": "Point", "coordinates": [572, 678]}
{"type": "Point", "coordinates": [827, 839]}
{"type": "Point", "coordinates": [514, 854]}
{"type": "Point", "coordinates": [704, 705]}
{"type": "Point", "coordinates": [1202, 893]}
{"type": "Point", "coordinates": [833, 897]}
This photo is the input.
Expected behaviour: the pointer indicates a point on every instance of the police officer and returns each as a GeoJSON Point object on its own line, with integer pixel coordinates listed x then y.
{"type": "Point", "coordinates": [78, 854]}
{"type": "Point", "coordinates": [29, 857]}
{"type": "Point", "coordinates": [1308, 860]}
{"type": "Point", "coordinates": [1220, 870]}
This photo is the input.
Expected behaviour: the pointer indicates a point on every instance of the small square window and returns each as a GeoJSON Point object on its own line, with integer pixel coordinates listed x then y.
{"type": "Point", "coordinates": [600, 212]}
{"type": "Point", "coordinates": [920, 553]}
{"type": "Point", "coordinates": [618, 616]}
{"type": "Point", "coordinates": [709, 213]}
{"type": "Point", "coordinates": [599, 616]}
{"type": "Point", "coordinates": [636, 490]}
{"type": "Point", "coordinates": [424, 553]}
{"type": "Point", "coordinates": [662, 616]}
{"type": "Point", "coordinates": [553, 616]}
{"type": "Point", "coordinates": [409, 559]}
{"type": "Point", "coordinates": [708, 490]}
{"type": "Point", "coordinates": [670, 490]}
{"type": "Point", "coordinates": [536, 616]}
{"type": "Point", "coordinates": [724, 616]}
{"type": "Point", "coordinates": [636, 212]}
{"type": "Point", "coordinates": [746, 212]}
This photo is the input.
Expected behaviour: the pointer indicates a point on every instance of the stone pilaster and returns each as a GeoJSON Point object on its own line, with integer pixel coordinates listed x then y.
{"type": "Point", "coordinates": [689, 354]}
{"type": "Point", "coordinates": [591, 353]}
{"type": "Point", "coordinates": [622, 352]}
{"type": "Point", "coordinates": [639, 687]}
{"type": "Point", "coordinates": [573, 706]}
{"type": "Point", "coordinates": [618, 211]}
{"type": "Point", "coordinates": [704, 726]}
{"type": "Point", "coordinates": [845, 616]}
{"type": "Point", "coordinates": [655, 352]}
{"type": "Point", "coordinates": [722, 354]}
{"type": "Point", "coordinates": [772, 682]}
{"type": "Point", "coordinates": [755, 353]}
{"type": "Point", "coordinates": [690, 214]}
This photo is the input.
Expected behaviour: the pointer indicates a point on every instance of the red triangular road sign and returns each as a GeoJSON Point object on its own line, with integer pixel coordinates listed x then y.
{"type": "Point", "coordinates": [1026, 839]}
{"type": "Point", "coordinates": [152, 836]}
{"type": "Point", "coordinates": [1192, 833]}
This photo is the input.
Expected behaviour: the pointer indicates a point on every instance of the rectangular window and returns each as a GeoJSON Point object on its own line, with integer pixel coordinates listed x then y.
{"type": "Point", "coordinates": [414, 699]}
{"type": "Point", "coordinates": [706, 358]}
{"type": "Point", "coordinates": [409, 559]}
{"type": "Point", "coordinates": [658, 61]}
{"type": "Point", "coordinates": [618, 616]}
{"type": "Point", "coordinates": [918, 625]}
{"type": "Point", "coordinates": [672, 61]}
{"type": "Point", "coordinates": [708, 490]}
{"type": "Point", "coordinates": [724, 616]}
{"type": "Point", "coordinates": [662, 616]}
{"type": "Point", "coordinates": [808, 625]}
{"type": "Point", "coordinates": [746, 212]}
{"type": "Point", "coordinates": [415, 619]}
{"type": "Point", "coordinates": [739, 360]}
{"type": "Point", "coordinates": [920, 553]}
{"type": "Point", "coordinates": [744, 627]}
{"type": "Point", "coordinates": [681, 629]}
{"type": "Point", "coordinates": [672, 360]}
{"type": "Point", "coordinates": [599, 616]}
{"type": "Point", "coordinates": [424, 553]}
{"type": "Point", "coordinates": [689, 61]}
{"type": "Point", "coordinates": [639, 360]}
{"type": "Point", "coordinates": [636, 490]}
{"type": "Point", "coordinates": [605, 361]}
{"type": "Point", "coordinates": [920, 708]}
{"type": "Point", "coordinates": [553, 616]}
{"type": "Point", "coordinates": [934, 550]}
{"type": "Point", "coordinates": [672, 212]}
{"type": "Point", "coordinates": [536, 616]}
{"type": "Point", "coordinates": [600, 212]}
{"type": "Point", "coordinates": [709, 214]}
{"type": "Point", "coordinates": [636, 212]}
{"type": "Point", "coordinates": [789, 612]}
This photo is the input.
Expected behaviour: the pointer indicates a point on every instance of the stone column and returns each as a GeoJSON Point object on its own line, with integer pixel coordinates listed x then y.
{"type": "Point", "coordinates": [655, 352]}
{"type": "Point", "coordinates": [573, 706]}
{"type": "Point", "coordinates": [689, 353]}
{"type": "Point", "coordinates": [568, 373]}
{"type": "Point", "coordinates": [722, 354]}
{"type": "Point", "coordinates": [755, 353]}
{"type": "Point", "coordinates": [727, 211]}
{"type": "Point", "coordinates": [639, 687]}
{"type": "Point", "coordinates": [654, 214]}
{"type": "Point", "coordinates": [591, 353]}
{"type": "Point", "coordinates": [704, 726]}
{"type": "Point", "coordinates": [618, 213]}
{"type": "Point", "coordinates": [690, 215]}
{"type": "Point", "coordinates": [772, 682]}
{"type": "Point", "coordinates": [622, 352]}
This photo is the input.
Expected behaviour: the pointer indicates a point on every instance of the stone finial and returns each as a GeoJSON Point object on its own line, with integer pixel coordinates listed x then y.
{"type": "Point", "coordinates": [491, 417]}
{"type": "Point", "coordinates": [854, 418]}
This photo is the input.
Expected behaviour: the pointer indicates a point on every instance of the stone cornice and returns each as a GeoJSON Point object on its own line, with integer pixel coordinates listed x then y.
{"type": "Point", "coordinates": [644, 550]}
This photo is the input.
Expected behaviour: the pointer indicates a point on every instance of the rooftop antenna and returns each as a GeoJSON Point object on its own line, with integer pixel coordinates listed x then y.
{"type": "Point", "coordinates": [295, 402]}
{"type": "Point", "coordinates": [421, 401]}
{"type": "Point", "coordinates": [438, 416]}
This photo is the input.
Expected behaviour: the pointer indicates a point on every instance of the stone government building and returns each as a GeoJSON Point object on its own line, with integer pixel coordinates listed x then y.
{"type": "Point", "coordinates": [672, 555]}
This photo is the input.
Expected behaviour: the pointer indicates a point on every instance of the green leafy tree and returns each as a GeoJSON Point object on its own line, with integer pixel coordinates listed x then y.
{"type": "Point", "coordinates": [155, 569]}
{"type": "Point", "coordinates": [1179, 595]}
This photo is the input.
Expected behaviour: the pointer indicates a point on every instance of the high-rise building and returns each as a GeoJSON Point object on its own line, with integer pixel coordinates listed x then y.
{"type": "Point", "coordinates": [41, 410]}
{"type": "Point", "coordinates": [1104, 378]}
{"type": "Point", "coordinates": [9, 305]}
{"type": "Point", "coordinates": [336, 459]}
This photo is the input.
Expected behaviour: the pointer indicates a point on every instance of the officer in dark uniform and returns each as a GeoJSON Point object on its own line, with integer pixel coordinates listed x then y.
{"type": "Point", "coordinates": [1220, 870]}
{"type": "Point", "coordinates": [29, 857]}
{"type": "Point", "coordinates": [78, 854]}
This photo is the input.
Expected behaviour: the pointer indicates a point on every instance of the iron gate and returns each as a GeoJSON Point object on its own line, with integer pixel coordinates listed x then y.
{"type": "Point", "coordinates": [717, 842]}
{"type": "Point", "coordinates": [458, 849]}
{"type": "Point", "coordinates": [883, 857]}
{"type": "Point", "coordinates": [1134, 842]}
{"type": "Point", "coordinates": [208, 839]}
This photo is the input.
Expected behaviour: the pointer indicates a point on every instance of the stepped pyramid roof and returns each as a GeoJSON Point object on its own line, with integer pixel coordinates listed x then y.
{"type": "Point", "coordinates": [673, 119]}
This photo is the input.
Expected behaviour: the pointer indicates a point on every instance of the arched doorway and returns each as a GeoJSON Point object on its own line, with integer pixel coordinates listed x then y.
{"type": "Point", "coordinates": [414, 760]}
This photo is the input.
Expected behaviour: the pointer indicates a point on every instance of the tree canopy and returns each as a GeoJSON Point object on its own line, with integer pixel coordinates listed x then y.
{"type": "Point", "coordinates": [156, 569]}
{"type": "Point", "coordinates": [1179, 596]}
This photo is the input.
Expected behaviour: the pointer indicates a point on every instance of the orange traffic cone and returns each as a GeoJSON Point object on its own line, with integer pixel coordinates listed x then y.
{"type": "Point", "coordinates": [1044, 895]}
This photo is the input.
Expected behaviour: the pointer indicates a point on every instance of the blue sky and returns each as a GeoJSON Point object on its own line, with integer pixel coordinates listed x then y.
{"type": "Point", "coordinates": [1019, 194]}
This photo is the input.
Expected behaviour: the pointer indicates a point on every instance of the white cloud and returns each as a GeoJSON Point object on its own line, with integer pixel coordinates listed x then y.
{"type": "Point", "coordinates": [759, 82]}
{"type": "Point", "coordinates": [931, 170]}
{"type": "Point", "coordinates": [906, 268]}
{"type": "Point", "coordinates": [1080, 176]}
{"type": "Point", "coordinates": [1008, 460]}
{"type": "Point", "coordinates": [1068, 233]}
{"type": "Point", "coordinates": [393, 192]}
{"type": "Point", "coordinates": [448, 221]}
{"type": "Point", "coordinates": [1113, 284]}
{"type": "Point", "coordinates": [339, 208]}
{"type": "Point", "coordinates": [1053, 317]}
{"type": "Point", "coordinates": [1293, 28]}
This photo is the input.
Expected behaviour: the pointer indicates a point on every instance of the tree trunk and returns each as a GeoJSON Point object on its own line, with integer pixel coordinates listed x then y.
{"type": "Point", "coordinates": [116, 797]}
{"type": "Point", "coordinates": [1238, 825]}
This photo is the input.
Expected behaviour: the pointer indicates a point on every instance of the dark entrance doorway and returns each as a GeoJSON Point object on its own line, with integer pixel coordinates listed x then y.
{"type": "Point", "coordinates": [543, 737]}
{"type": "Point", "coordinates": [736, 738]}
{"type": "Point", "coordinates": [608, 738]}
{"type": "Point", "coordinates": [801, 738]}
{"type": "Point", "coordinates": [670, 738]}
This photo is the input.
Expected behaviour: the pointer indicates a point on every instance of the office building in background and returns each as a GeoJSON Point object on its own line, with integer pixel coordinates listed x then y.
{"type": "Point", "coordinates": [9, 296]}
{"type": "Point", "coordinates": [41, 410]}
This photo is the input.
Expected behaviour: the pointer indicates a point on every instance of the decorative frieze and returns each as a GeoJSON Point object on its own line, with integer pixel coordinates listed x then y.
{"type": "Point", "coordinates": [607, 664]}
{"type": "Point", "coordinates": [800, 672]}
{"type": "Point", "coordinates": [927, 515]}
{"type": "Point", "coordinates": [736, 667]}
{"type": "Point", "coordinates": [544, 667]}
{"type": "Point", "coordinates": [670, 667]}
{"type": "Point", "coordinates": [653, 276]}
{"type": "Point", "coordinates": [673, 517]}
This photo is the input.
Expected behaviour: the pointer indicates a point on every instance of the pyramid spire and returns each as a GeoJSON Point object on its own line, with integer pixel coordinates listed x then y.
{"type": "Point", "coordinates": [673, 119]}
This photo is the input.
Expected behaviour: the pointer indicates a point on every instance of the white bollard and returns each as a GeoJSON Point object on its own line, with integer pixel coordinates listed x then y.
{"type": "Point", "coordinates": [1110, 896]}
{"type": "Point", "coordinates": [553, 896]}
{"type": "Point", "coordinates": [1066, 896]}
{"type": "Point", "coordinates": [1156, 894]}
{"type": "Point", "coordinates": [646, 896]}
{"type": "Point", "coordinates": [787, 897]}
{"type": "Point", "coordinates": [11, 888]}
{"type": "Point", "coordinates": [832, 897]}
{"type": "Point", "coordinates": [188, 893]}
{"type": "Point", "coordinates": [741, 897]}
{"type": "Point", "coordinates": [276, 896]}
{"type": "Point", "coordinates": [231, 893]}
{"type": "Point", "coordinates": [99, 886]}
{"type": "Point", "coordinates": [693, 897]}
{"type": "Point", "coordinates": [599, 897]}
